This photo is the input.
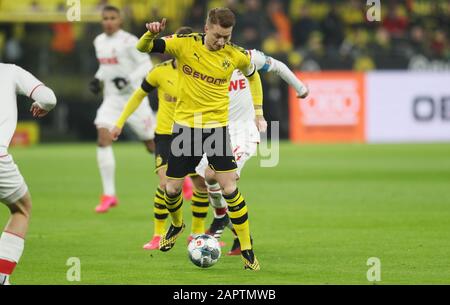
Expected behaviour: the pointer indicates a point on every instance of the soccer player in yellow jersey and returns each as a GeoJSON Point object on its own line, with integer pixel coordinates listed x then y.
{"type": "Point", "coordinates": [164, 77]}
{"type": "Point", "coordinates": [205, 65]}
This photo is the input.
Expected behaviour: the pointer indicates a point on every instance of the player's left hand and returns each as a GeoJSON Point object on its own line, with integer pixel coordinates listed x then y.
{"type": "Point", "coordinates": [120, 82]}
{"type": "Point", "coordinates": [261, 123]}
{"type": "Point", "coordinates": [156, 27]}
{"type": "Point", "coordinates": [115, 133]}
{"type": "Point", "coordinates": [37, 111]}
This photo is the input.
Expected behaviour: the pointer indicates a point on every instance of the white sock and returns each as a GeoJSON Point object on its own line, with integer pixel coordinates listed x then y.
{"type": "Point", "coordinates": [11, 249]}
{"type": "Point", "coordinates": [4, 279]}
{"type": "Point", "coordinates": [215, 195]}
{"type": "Point", "coordinates": [107, 166]}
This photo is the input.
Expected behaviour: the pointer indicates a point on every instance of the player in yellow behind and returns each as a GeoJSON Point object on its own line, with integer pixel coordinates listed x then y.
{"type": "Point", "coordinates": [164, 78]}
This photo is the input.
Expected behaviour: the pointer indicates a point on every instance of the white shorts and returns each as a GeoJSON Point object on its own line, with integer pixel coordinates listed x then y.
{"type": "Point", "coordinates": [12, 184]}
{"type": "Point", "coordinates": [244, 144]}
{"type": "Point", "coordinates": [142, 121]}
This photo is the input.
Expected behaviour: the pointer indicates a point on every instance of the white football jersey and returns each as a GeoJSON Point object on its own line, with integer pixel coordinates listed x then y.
{"type": "Point", "coordinates": [13, 80]}
{"type": "Point", "coordinates": [118, 57]}
{"type": "Point", "coordinates": [241, 114]}
{"type": "Point", "coordinates": [241, 101]}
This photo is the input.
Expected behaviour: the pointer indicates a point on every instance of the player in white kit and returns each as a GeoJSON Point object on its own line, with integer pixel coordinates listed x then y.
{"type": "Point", "coordinates": [13, 189]}
{"type": "Point", "coordinates": [244, 134]}
{"type": "Point", "coordinates": [121, 71]}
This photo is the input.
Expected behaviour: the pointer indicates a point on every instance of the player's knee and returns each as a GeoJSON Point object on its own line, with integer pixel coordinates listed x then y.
{"type": "Point", "coordinates": [162, 185]}
{"type": "Point", "coordinates": [103, 143]}
{"type": "Point", "coordinates": [22, 206]}
{"type": "Point", "coordinates": [104, 138]}
{"type": "Point", "coordinates": [173, 187]}
{"type": "Point", "coordinates": [199, 183]}
{"type": "Point", "coordinates": [229, 187]}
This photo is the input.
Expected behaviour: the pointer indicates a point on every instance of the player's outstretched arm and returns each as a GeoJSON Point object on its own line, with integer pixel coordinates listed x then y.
{"type": "Point", "coordinates": [146, 42]}
{"type": "Point", "coordinates": [266, 63]}
{"type": "Point", "coordinates": [130, 107]}
{"type": "Point", "coordinates": [44, 97]}
{"type": "Point", "coordinates": [289, 77]}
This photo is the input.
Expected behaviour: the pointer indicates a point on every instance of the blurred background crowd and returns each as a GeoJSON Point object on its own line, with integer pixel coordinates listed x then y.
{"type": "Point", "coordinates": [308, 35]}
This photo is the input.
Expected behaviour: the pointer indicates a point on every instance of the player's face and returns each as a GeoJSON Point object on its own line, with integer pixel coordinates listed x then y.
{"type": "Point", "coordinates": [111, 22]}
{"type": "Point", "coordinates": [217, 36]}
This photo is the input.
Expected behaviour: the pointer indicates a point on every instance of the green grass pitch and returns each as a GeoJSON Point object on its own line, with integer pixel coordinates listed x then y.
{"type": "Point", "coordinates": [316, 218]}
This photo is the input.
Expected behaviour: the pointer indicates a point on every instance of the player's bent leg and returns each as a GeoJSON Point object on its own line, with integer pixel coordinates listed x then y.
{"type": "Point", "coordinates": [174, 201]}
{"type": "Point", "coordinates": [241, 157]}
{"type": "Point", "coordinates": [160, 212]}
{"type": "Point", "coordinates": [199, 207]}
{"type": "Point", "coordinates": [12, 239]}
{"type": "Point", "coordinates": [20, 216]}
{"type": "Point", "coordinates": [237, 210]}
{"type": "Point", "coordinates": [107, 166]}
{"type": "Point", "coordinates": [221, 219]}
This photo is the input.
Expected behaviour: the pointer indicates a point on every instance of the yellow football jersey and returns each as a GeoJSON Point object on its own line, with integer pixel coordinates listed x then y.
{"type": "Point", "coordinates": [164, 77]}
{"type": "Point", "coordinates": [204, 77]}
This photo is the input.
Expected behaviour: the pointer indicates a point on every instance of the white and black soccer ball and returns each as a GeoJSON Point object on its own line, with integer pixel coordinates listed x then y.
{"type": "Point", "coordinates": [204, 251]}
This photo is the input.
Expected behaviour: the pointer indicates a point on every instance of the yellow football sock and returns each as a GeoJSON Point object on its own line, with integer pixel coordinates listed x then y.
{"type": "Point", "coordinates": [160, 213]}
{"type": "Point", "coordinates": [174, 205]}
{"type": "Point", "coordinates": [237, 210]}
{"type": "Point", "coordinates": [199, 207]}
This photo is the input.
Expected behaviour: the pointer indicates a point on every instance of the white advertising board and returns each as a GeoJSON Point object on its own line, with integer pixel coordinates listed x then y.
{"type": "Point", "coordinates": [407, 107]}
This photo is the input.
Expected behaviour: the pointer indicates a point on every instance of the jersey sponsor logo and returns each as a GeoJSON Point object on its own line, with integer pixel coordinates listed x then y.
{"type": "Point", "coordinates": [108, 61]}
{"type": "Point", "coordinates": [206, 78]}
{"type": "Point", "coordinates": [196, 56]}
{"type": "Point", "coordinates": [238, 84]}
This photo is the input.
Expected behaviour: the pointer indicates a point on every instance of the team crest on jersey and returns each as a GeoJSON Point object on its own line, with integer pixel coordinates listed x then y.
{"type": "Point", "coordinates": [226, 64]}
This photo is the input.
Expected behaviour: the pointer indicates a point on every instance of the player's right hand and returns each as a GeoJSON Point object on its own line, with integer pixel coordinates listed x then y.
{"type": "Point", "coordinates": [94, 86]}
{"type": "Point", "coordinates": [115, 133]}
{"type": "Point", "coordinates": [261, 123]}
{"type": "Point", "coordinates": [156, 27]}
{"type": "Point", "coordinates": [37, 111]}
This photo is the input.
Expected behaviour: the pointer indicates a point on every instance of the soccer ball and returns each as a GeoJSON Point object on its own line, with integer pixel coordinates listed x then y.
{"type": "Point", "coordinates": [204, 251]}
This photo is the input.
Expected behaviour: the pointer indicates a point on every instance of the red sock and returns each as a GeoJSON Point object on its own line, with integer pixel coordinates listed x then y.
{"type": "Point", "coordinates": [7, 267]}
{"type": "Point", "coordinates": [221, 211]}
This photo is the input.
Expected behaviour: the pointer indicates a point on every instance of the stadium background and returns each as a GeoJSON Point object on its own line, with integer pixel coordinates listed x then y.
{"type": "Point", "coordinates": [308, 35]}
{"type": "Point", "coordinates": [384, 200]}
